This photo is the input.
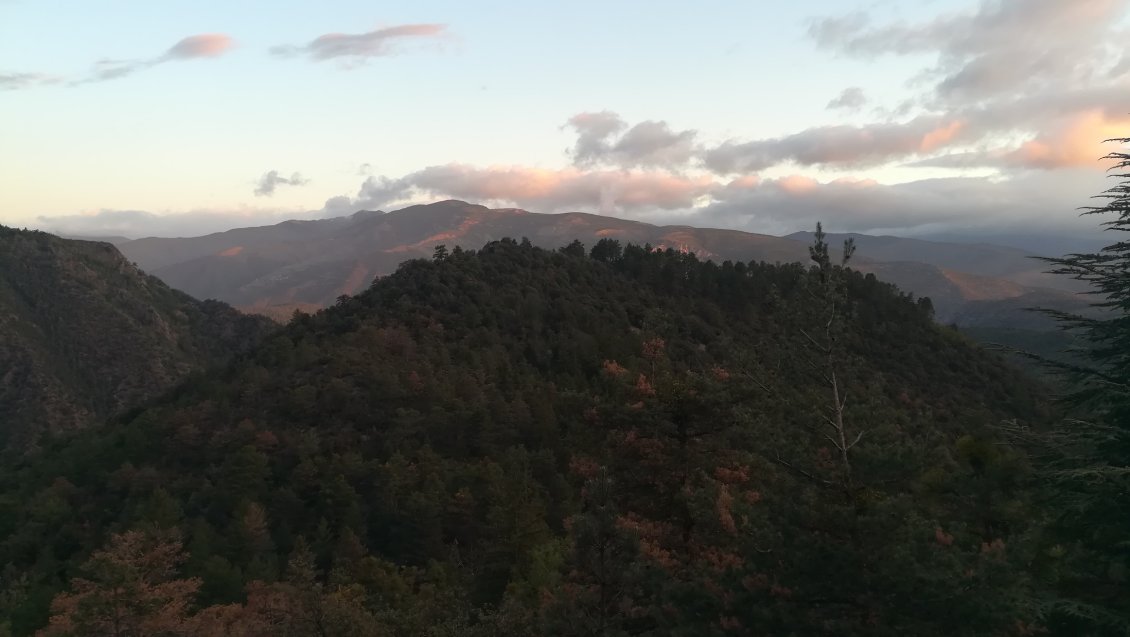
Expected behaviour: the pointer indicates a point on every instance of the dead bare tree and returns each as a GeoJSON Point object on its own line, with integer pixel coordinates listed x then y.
{"type": "Point", "coordinates": [826, 344]}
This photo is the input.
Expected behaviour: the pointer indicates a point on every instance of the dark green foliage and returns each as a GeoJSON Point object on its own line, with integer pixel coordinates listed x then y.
{"type": "Point", "coordinates": [518, 441]}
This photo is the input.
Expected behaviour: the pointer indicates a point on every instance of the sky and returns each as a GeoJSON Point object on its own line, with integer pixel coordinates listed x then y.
{"type": "Point", "coordinates": [906, 117]}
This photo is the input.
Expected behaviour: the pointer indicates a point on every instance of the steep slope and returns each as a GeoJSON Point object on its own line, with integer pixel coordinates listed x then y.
{"type": "Point", "coordinates": [84, 335]}
{"type": "Point", "coordinates": [523, 442]}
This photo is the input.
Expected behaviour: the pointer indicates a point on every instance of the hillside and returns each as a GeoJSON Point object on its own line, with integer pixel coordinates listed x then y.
{"type": "Point", "coordinates": [84, 335]}
{"type": "Point", "coordinates": [522, 442]}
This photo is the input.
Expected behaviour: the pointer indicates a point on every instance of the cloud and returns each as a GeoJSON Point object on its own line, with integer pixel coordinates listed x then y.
{"type": "Point", "coordinates": [272, 180]}
{"type": "Point", "coordinates": [1074, 138]}
{"type": "Point", "coordinates": [1035, 202]}
{"type": "Point", "coordinates": [607, 191]}
{"type": "Point", "coordinates": [593, 131]}
{"type": "Point", "coordinates": [603, 138]}
{"type": "Point", "coordinates": [851, 99]}
{"type": "Point", "coordinates": [358, 47]}
{"type": "Point", "coordinates": [1011, 85]}
{"type": "Point", "coordinates": [205, 45]}
{"type": "Point", "coordinates": [1032, 202]}
{"type": "Point", "coordinates": [18, 81]}
{"type": "Point", "coordinates": [1003, 45]}
{"type": "Point", "coordinates": [1030, 79]}
{"type": "Point", "coordinates": [839, 146]}
{"type": "Point", "coordinates": [1026, 88]}
{"type": "Point", "coordinates": [1074, 141]}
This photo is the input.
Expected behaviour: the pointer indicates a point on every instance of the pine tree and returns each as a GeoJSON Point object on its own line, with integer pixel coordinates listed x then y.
{"type": "Point", "coordinates": [1103, 385]}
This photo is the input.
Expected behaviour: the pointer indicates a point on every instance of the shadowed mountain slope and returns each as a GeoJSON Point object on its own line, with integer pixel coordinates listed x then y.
{"type": "Point", "coordinates": [84, 335]}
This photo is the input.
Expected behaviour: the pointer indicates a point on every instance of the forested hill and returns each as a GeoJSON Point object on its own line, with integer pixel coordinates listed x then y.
{"type": "Point", "coordinates": [516, 441]}
{"type": "Point", "coordinates": [83, 334]}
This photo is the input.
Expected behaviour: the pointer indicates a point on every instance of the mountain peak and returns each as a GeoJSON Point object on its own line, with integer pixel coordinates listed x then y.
{"type": "Point", "coordinates": [361, 215]}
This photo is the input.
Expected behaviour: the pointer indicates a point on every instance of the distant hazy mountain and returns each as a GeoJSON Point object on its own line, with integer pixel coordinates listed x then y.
{"type": "Point", "coordinates": [309, 264]}
{"type": "Point", "coordinates": [312, 263]}
{"type": "Point", "coordinates": [983, 259]}
{"type": "Point", "coordinates": [83, 334]}
{"type": "Point", "coordinates": [1038, 244]}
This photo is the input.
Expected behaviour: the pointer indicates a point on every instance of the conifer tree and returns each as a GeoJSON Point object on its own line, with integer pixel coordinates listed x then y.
{"type": "Point", "coordinates": [1089, 458]}
{"type": "Point", "coordinates": [1103, 383]}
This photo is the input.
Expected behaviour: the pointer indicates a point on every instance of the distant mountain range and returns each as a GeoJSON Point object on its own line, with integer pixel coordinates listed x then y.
{"type": "Point", "coordinates": [309, 264]}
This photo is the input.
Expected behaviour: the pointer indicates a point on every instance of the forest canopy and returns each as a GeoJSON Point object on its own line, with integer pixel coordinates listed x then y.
{"type": "Point", "coordinates": [615, 441]}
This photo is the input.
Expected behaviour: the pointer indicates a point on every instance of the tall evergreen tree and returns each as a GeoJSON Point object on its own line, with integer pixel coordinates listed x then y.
{"type": "Point", "coordinates": [1089, 458]}
{"type": "Point", "coordinates": [1104, 384]}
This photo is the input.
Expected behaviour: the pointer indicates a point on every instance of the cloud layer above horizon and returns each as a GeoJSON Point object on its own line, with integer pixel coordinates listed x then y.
{"type": "Point", "coordinates": [1001, 122]}
{"type": "Point", "coordinates": [1024, 92]}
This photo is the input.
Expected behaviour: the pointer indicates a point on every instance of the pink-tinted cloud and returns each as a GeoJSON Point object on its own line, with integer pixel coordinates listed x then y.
{"type": "Point", "coordinates": [1078, 141]}
{"type": "Point", "coordinates": [1002, 70]}
{"type": "Point", "coordinates": [357, 47]}
{"type": "Point", "coordinates": [1075, 139]}
{"type": "Point", "coordinates": [1039, 69]}
{"type": "Point", "coordinates": [795, 184]}
{"type": "Point", "coordinates": [205, 45]}
{"type": "Point", "coordinates": [838, 146]}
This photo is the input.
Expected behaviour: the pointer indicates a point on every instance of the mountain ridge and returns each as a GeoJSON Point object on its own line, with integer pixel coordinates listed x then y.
{"type": "Point", "coordinates": [275, 269]}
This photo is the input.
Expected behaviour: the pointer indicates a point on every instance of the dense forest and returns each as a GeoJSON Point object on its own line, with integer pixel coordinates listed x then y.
{"type": "Point", "coordinates": [615, 441]}
{"type": "Point", "coordinates": [84, 335]}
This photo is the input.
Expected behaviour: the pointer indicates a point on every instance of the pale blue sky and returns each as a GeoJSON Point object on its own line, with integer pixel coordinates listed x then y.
{"type": "Point", "coordinates": [494, 90]}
